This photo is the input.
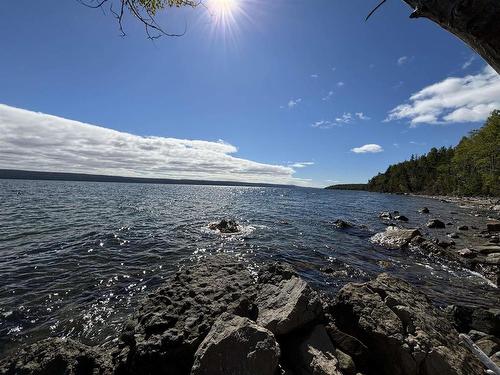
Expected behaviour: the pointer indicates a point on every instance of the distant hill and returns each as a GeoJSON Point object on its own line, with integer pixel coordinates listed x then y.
{"type": "Point", "coordinates": [348, 187]}
{"type": "Point", "coordinates": [57, 176]}
{"type": "Point", "coordinates": [471, 168]}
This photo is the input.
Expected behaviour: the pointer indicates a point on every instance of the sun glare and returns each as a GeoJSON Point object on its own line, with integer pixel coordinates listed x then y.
{"type": "Point", "coordinates": [224, 13]}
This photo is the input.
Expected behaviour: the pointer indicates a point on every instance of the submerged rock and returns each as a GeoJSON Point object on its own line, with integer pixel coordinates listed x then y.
{"type": "Point", "coordinates": [424, 210]}
{"type": "Point", "coordinates": [401, 218]}
{"type": "Point", "coordinates": [225, 226]}
{"type": "Point", "coordinates": [57, 356]}
{"type": "Point", "coordinates": [394, 237]}
{"type": "Point", "coordinates": [405, 333]}
{"type": "Point", "coordinates": [236, 345]}
{"type": "Point", "coordinates": [435, 223]}
{"type": "Point", "coordinates": [342, 224]}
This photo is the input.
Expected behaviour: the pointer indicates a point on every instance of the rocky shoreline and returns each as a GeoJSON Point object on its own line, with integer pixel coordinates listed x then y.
{"type": "Point", "coordinates": [216, 316]}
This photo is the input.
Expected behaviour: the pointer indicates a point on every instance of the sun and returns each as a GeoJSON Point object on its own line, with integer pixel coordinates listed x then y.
{"type": "Point", "coordinates": [224, 12]}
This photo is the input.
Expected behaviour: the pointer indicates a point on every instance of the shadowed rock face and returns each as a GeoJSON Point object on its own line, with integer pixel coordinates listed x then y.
{"type": "Point", "coordinates": [57, 357]}
{"type": "Point", "coordinates": [404, 332]}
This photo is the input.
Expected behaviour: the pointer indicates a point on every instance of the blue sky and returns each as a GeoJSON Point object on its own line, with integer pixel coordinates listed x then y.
{"type": "Point", "coordinates": [291, 89]}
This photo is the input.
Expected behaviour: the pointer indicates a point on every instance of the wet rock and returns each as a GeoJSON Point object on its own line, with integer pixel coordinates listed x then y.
{"type": "Point", "coordinates": [385, 215]}
{"type": "Point", "coordinates": [171, 322]}
{"type": "Point", "coordinates": [225, 226]}
{"type": "Point", "coordinates": [453, 235]}
{"type": "Point", "coordinates": [401, 218]}
{"type": "Point", "coordinates": [312, 353]}
{"type": "Point", "coordinates": [405, 333]}
{"type": "Point", "coordinates": [424, 210]}
{"type": "Point", "coordinates": [463, 227]}
{"type": "Point", "coordinates": [287, 306]}
{"type": "Point", "coordinates": [342, 224]}
{"type": "Point", "coordinates": [476, 335]}
{"type": "Point", "coordinates": [494, 239]}
{"type": "Point", "coordinates": [236, 345]}
{"type": "Point", "coordinates": [385, 264]}
{"type": "Point", "coordinates": [489, 345]}
{"type": "Point", "coordinates": [493, 226]}
{"type": "Point", "coordinates": [467, 318]}
{"type": "Point", "coordinates": [394, 237]}
{"type": "Point", "coordinates": [435, 224]}
{"type": "Point", "coordinates": [57, 356]}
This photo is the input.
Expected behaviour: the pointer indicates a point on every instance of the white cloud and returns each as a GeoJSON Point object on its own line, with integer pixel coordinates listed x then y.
{"type": "Point", "coordinates": [294, 102]}
{"type": "Point", "coordinates": [36, 141]}
{"type": "Point", "coordinates": [302, 164]}
{"type": "Point", "coordinates": [370, 148]}
{"type": "Point", "coordinates": [345, 118]}
{"type": "Point", "coordinates": [328, 96]}
{"type": "Point", "coordinates": [468, 62]}
{"type": "Point", "coordinates": [340, 84]}
{"type": "Point", "coordinates": [455, 99]}
{"type": "Point", "coordinates": [402, 60]}
{"type": "Point", "coordinates": [362, 116]}
{"type": "Point", "coordinates": [334, 68]}
{"type": "Point", "coordinates": [418, 143]}
{"type": "Point", "coordinates": [314, 76]}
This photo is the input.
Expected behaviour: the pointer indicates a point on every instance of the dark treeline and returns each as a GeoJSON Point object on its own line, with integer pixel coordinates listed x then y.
{"type": "Point", "coordinates": [470, 168]}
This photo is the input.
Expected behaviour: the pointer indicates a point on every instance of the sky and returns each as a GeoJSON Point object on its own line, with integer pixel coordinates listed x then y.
{"type": "Point", "coordinates": [298, 92]}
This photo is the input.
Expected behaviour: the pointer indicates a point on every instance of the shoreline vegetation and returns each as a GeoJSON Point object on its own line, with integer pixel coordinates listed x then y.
{"type": "Point", "coordinates": [472, 168]}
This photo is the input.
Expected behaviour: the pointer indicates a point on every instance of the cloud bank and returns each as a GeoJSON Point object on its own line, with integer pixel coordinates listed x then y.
{"type": "Point", "coordinates": [36, 141]}
{"type": "Point", "coordinates": [368, 149]}
{"type": "Point", "coordinates": [467, 99]}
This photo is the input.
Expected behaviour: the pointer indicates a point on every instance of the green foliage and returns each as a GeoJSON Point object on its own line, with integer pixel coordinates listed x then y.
{"type": "Point", "coordinates": [471, 168]}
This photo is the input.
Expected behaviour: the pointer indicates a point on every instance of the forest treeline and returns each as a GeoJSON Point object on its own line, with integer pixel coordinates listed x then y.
{"type": "Point", "coordinates": [470, 168]}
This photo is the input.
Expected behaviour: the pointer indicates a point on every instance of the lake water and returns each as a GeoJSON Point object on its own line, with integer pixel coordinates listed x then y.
{"type": "Point", "coordinates": [75, 257]}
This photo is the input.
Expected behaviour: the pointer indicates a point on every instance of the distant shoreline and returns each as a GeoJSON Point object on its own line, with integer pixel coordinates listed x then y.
{"type": "Point", "coordinates": [13, 174]}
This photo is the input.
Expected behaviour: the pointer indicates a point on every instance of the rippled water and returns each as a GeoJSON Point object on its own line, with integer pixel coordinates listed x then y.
{"type": "Point", "coordinates": [75, 257]}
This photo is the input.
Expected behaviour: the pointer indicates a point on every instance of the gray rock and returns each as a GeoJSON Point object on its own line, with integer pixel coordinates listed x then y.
{"type": "Point", "coordinates": [453, 235]}
{"type": "Point", "coordinates": [171, 322]}
{"type": "Point", "coordinates": [348, 344]}
{"type": "Point", "coordinates": [424, 210]}
{"type": "Point", "coordinates": [346, 363]}
{"type": "Point", "coordinates": [312, 353]}
{"type": "Point", "coordinates": [401, 218]}
{"type": "Point", "coordinates": [394, 237]}
{"type": "Point", "coordinates": [405, 333]}
{"type": "Point", "coordinates": [385, 215]}
{"type": "Point", "coordinates": [467, 253]}
{"type": "Point", "coordinates": [476, 335]}
{"type": "Point", "coordinates": [342, 224]}
{"type": "Point", "coordinates": [287, 306]}
{"type": "Point", "coordinates": [236, 345]}
{"type": "Point", "coordinates": [57, 356]}
{"type": "Point", "coordinates": [463, 227]}
{"type": "Point", "coordinates": [225, 226]}
{"type": "Point", "coordinates": [435, 224]}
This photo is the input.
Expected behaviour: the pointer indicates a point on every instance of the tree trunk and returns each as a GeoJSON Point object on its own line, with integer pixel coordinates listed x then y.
{"type": "Point", "coordinates": [476, 22]}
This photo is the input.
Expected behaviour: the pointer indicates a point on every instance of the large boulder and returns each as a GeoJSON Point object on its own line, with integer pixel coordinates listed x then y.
{"type": "Point", "coordinates": [57, 357]}
{"type": "Point", "coordinates": [236, 345]}
{"type": "Point", "coordinates": [313, 353]}
{"type": "Point", "coordinates": [289, 305]}
{"type": "Point", "coordinates": [405, 333]}
{"type": "Point", "coordinates": [394, 237]}
{"type": "Point", "coordinates": [171, 322]}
